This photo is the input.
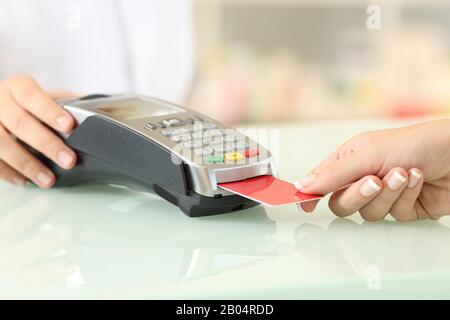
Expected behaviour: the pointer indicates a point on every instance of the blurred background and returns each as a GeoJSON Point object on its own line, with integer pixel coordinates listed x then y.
{"type": "Point", "coordinates": [289, 60]}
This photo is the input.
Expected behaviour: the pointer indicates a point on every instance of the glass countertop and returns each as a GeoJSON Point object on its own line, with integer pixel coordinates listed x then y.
{"type": "Point", "coordinates": [99, 241]}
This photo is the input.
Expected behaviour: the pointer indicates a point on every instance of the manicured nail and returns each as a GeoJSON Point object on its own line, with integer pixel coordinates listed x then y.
{"type": "Point", "coordinates": [299, 206]}
{"type": "Point", "coordinates": [369, 188]}
{"type": "Point", "coordinates": [43, 179]}
{"type": "Point", "coordinates": [306, 182]}
{"type": "Point", "coordinates": [396, 181]}
{"type": "Point", "coordinates": [63, 122]}
{"type": "Point", "coordinates": [19, 181]}
{"type": "Point", "coordinates": [65, 158]}
{"type": "Point", "coordinates": [414, 178]}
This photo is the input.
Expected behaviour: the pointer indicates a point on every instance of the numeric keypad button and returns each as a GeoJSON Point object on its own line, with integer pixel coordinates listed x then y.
{"type": "Point", "coordinates": [181, 137]}
{"type": "Point", "coordinates": [240, 145]}
{"type": "Point", "coordinates": [192, 145]}
{"type": "Point", "coordinates": [175, 122]}
{"type": "Point", "coordinates": [214, 132]}
{"type": "Point", "coordinates": [204, 151]}
{"type": "Point", "coordinates": [167, 132]}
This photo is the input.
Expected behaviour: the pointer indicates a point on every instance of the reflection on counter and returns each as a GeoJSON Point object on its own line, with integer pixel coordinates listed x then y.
{"type": "Point", "coordinates": [57, 244]}
{"type": "Point", "coordinates": [346, 248]}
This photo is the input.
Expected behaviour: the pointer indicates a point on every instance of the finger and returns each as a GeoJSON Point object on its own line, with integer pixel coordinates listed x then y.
{"type": "Point", "coordinates": [309, 206]}
{"type": "Point", "coordinates": [62, 95]}
{"type": "Point", "coordinates": [354, 144]}
{"type": "Point", "coordinates": [404, 209]}
{"type": "Point", "coordinates": [13, 154]}
{"type": "Point", "coordinates": [393, 185]}
{"type": "Point", "coordinates": [342, 171]}
{"type": "Point", "coordinates": [27, 93]}
{"type": "Point", "coordinates": [10, 175]}
{"type": "Point", "coordinates": [32, 132]}
{"type": "Point", "coordinates": [340, 153]}
{"type": "Point", "coordinates": [348, 201]}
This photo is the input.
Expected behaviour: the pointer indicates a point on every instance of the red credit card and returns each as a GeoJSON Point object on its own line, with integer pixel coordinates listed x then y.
{"type": "Point", "coordinates": [268, 190]}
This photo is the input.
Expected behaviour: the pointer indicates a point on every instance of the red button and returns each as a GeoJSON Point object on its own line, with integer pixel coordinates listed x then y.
{"type": "Point", "coordinates": [251, 153]}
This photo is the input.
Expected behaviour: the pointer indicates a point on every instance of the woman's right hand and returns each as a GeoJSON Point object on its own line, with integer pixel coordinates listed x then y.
{"type": "Point", "coordinates": [26, 112]}
{"type": "Point", "coordinates": [404, 172]}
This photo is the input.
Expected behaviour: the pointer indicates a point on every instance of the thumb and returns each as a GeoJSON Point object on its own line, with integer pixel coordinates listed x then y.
{"type": "Point", "coordinates": [341, 172]}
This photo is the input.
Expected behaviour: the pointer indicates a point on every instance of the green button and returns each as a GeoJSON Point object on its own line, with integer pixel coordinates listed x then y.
{"type": "Point", "coordinates": [214, 159]}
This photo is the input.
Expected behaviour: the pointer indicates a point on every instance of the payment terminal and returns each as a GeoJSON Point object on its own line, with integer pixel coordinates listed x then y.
{"type": "Point", "coordinates": [156, 146]}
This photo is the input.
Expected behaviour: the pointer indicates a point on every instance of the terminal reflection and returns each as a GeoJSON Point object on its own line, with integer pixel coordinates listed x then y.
{"type": "Point", "coordinates": [99, 238]}
{"type": "Point", "coordinates": [346, 248]}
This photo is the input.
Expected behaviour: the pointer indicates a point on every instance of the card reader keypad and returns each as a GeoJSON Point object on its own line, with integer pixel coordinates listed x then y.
{"type": "Point", "coordinates": [205, 139]}
{"type": "Point", "coordinates": [173, 122]}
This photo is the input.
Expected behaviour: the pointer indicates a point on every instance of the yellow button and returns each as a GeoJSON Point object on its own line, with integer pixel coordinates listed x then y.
{"type": "Point", "coordinates": [234, 156]}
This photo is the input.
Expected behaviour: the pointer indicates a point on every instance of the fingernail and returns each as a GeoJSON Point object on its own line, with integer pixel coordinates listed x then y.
{"type": "Point", "coordinates": [414, 178]}
{"type": "Point", "coordinates": [65, 158]}
{"type": "Point", "coordinates": [19, 181]}
{"type": "Point", "coordinates": [306, 182]}
{"type": "Point", "coordinates": [299, 206]}
{"type": "Point", "coordinates": [43, 179]}
{"type": "Point", "coordinates": [369, 188]}
{"type": "Point", "coordinates": [63, 122]}
{"type": "Point", "coordinates": [396, 181]}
